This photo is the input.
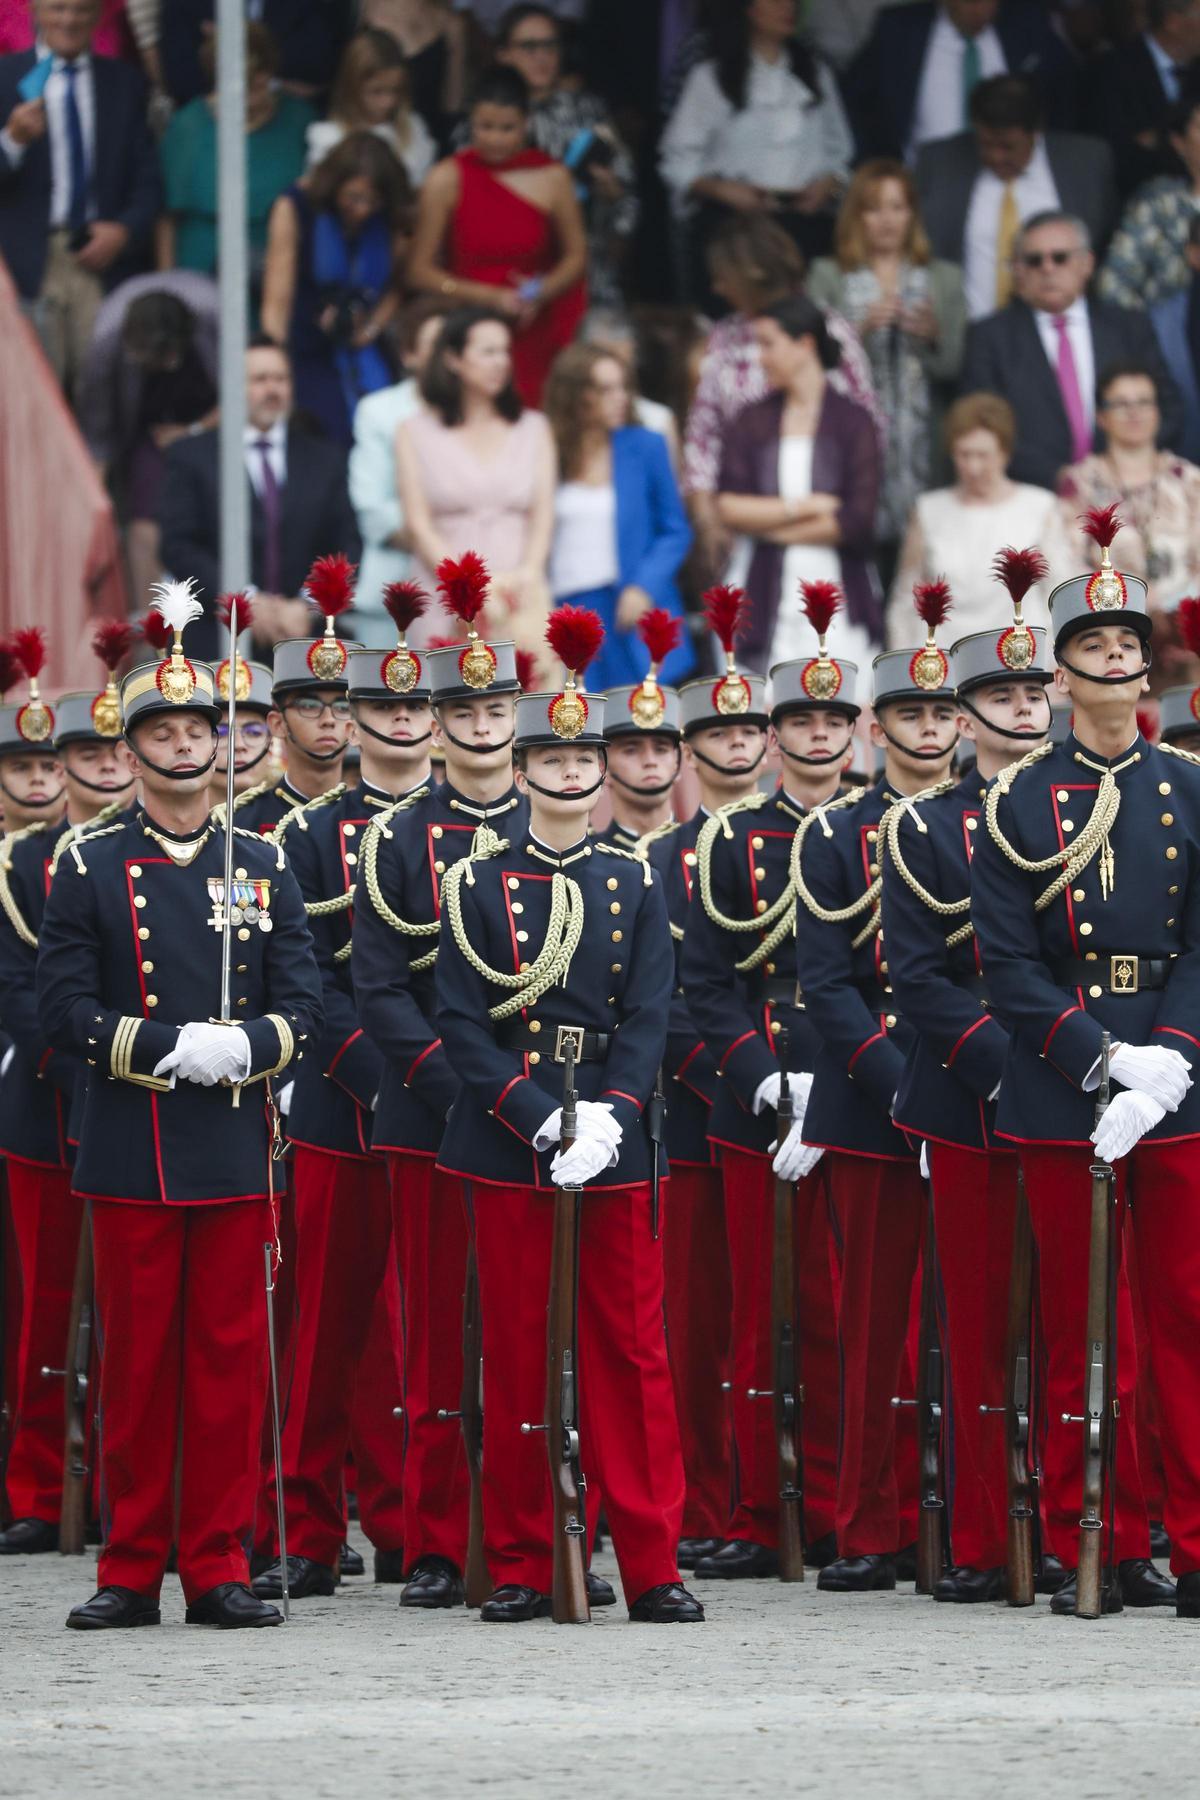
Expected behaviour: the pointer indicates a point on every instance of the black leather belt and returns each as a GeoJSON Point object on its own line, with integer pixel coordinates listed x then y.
{"type": "Point", "coordinates": [551, 1041]}
{"type": "Point", "coordinates": [1121, 972]}
{"type": "Point", "coordinates": [780, 990]}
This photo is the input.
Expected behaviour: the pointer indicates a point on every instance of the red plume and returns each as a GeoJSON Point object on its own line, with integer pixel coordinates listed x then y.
{"type": "Point", "coordinates": [526, 670]}
{"type": "Point", "coordinates": [1019, 570]}
{"type": "Point", "coordinates": [933, 601]}
{"type": "Point", "coordinates": [820, 600]}
{"type": "Point", "coordinates": [245, 610]}
{"type": "Point", "coordinates": [30, 643]}
{"type": "Point", "coordinates": [660, 633]}
{"type": "Point", "coordinates": [443, 643]}
{"type": "Point", "coordinates": [330, 584]}
{"type": "Point", "coordinates": [728, 613]}
{"type": "Point", "coordinates": [111, 642]}
{"type": "Point", "coordinates": [157, 632]}
{"type": "Point", "coordinates": [575, 634]}
{"type": "Point", "coordinates": [1189, 624]}
{"type": "Point", "coordinates": [464, 585]}
{"type": "Point", "coordinates": [1102, 524]}
{"type": "Point", "coordinates": [10, 667]}
{"type": "Point", "coordinates": [404, 601]}
{"type": "Point", "coordinates": [1147, 723]}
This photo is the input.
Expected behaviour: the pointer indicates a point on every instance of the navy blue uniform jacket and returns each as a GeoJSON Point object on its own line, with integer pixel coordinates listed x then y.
{"type": "Point", "coordinates": [37, 1087]}
{"type": "Point", "coordinates": [689, 1068]}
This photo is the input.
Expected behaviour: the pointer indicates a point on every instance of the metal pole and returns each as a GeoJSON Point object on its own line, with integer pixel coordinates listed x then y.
{"type": "Point", "coordinates": [231, 256]}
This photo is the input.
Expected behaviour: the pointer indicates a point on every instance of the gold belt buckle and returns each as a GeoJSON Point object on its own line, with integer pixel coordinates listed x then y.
{"type": "Point", "coordinates": [1123, 974]}
{"type": "Point", "coordinates": [571, 1035]}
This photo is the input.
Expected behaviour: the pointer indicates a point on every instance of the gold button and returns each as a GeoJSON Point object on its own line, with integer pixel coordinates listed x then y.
{"type": "Point", "coordinates": [241, 968]}
{"type": "Point", "coordinates": [535, 1024]}
{"type": "Point", "coordinates": [616, 937]}
{"type": "Point", "coordinates": [887, 987]}
{"type": "Point", "coordinates": [768, 968]}
{"type": "Point", "coordinates": [243, 933]}
{"type": "Point", "coordinates": [776, 1027]}
{"type": "Point", "coordinates": [612, 884]}
{"type": "Point", "coordinates": [135, 870]}
{"type": "Point", "coordinates": [874, 868]}
{"type": "Point", "coordinates": [147, 968]}
{"type": "Point", "coordinates": [517, 906]}
{"type": "Point", "coordinates": [151, 999]}
{"type": "Point", "coordinates": [1091, 954]}
{"type": "Point", "coordinates": [1068, 824]}
{"type": "Point", "coordinates": [240, 873]}
{"type": "Point", "coordinates": [1085, 929]}
{"type": "Point", "coordinates": [523, 966]}
{"type": "Point", "coordinates": [871, 836]}
{"type": "Point", "coordinates": [513, 883]}
{"type": "Point", "coordinates": [241, 1000]}
{"type": "Point", "coordinates": [1164, 787]}
{"type": "Point", "coordinates": [972, 824]}
{"type": "Point", "coordinates": [756, 843]}
{"type": "Point", "coordinates": [143, 932]}
{"type": "Point", "coordinates": [614, 907]}
{"type": "Point", "coordinates": [1095, 992]}
{"type": "Point", "coordinates": [348, 830]}
{"type": "Point", "coordinates": [1172, 890]}
{"type": "Point", "coordinates": [1078, 894]}
{"type": "Point", "coordinates": [439, 867]}
{"type": "Point", "coordinates": [689, 857]}
{"type": "Point", "coordinates": [351, 859]}
{"type": "Point", "coordinates": [890, 1021]}
{"type": "Point", "coordinates": [1168, 819]}
{"type": "Point", "coordinates": [760, 906]}
{"type": "Point", "coordinates": [1170, 921]}
{"type": "Point", "coordinates": [883, 968]}
{"type": "Point", "coordinates": [614, 968]}
{"type": "Point", "coordinates": [760, 874]}
{"type": "Point", "coordinates": [1062, 794]}
{"type": "Point", "coordinates": [436, 831]}
{"type": "Point", "coordinates": [535, 1056]}
{"type": "Point", "coordinates": [139, 899]}
{"type": "Point", "coordinates": [522, 937]}
{"type": "Point", "coordinates": [1172, 853]}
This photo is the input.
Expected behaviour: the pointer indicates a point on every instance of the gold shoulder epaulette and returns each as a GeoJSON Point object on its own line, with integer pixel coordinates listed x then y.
{"type": "Point", "coordinates": [652, 837]}
{"type": "Point", "coordinates": [266, 839]}
{"type": "Point", "coordinates": [299, 814]}
{"type": "Point", "coordinates": [73, 833]}
{"type": "Point", "coordinates": [217, 813]}
{"type": "Point", "coordinates": [629, 856]}
{"type": "Point", "coordinates": [1175, 750]}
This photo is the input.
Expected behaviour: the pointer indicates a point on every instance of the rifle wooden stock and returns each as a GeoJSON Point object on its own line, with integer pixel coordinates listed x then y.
{"type": "Point", "coordinates": [787, 1395]}
{"type": "Point", "coordinates": [569, 1597]}
{"type": "Point", "coordinates": [1099, 1437]}
{"type": "Point", "coordinates": [76, 1384]}
{"type": "Point", "coordinates": [1018, 1356]}
{"type": "Point", "coordinates": [931, 1521]}
{"type": "Point", "coordinates": [478, 1580]}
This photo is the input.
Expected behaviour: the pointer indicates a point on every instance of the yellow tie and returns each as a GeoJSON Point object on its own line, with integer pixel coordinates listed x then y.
{"type": "Point", "coordinates": [1006, 237]}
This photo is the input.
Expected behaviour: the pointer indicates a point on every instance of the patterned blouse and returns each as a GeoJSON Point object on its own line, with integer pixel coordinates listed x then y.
{"type": "Point", "coordinates": [731, 377]}
{"type": "Point", "coordinates": [1146, 260]}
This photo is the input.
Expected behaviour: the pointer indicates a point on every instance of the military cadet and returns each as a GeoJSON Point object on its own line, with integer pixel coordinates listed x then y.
{"type": "Point", "coordinates": [590, 957]}
{"type": "Point", "coordinates": [643, 758]}
{"type": "Point", "coordinates": [404, 859]}
{"type": "Point", "coordinates": [253, 710]}
{"type": "Point", "coordinates": [174, 1152]}
{"type": "Point", "coordinates": [726, 753]}
{"type": "Point", "coordinates": [741, 993]}
{"type": "Point", "coordinates": [34, 1109]}
{"type": "Point", "coordinates": [342, 1208]}
{"type": "Point", "coordinates": [1179, 707]}
{"type": "Point", "coordinates": [311, 711]}
{"type": "Point", "coordinates": [954, 1061]}
{"type": "Point", "coordinates": [1084, 896]}
{"type": "Point", "coordinates": [876, 1195]}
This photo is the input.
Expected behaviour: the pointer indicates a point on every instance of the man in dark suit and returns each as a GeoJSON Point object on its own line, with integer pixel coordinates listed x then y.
{"type": "Point", "coordinates": [913, 78]}
{"type": "Point", "coordinates": [977, 187]}
{"type": "Point", "coordinates": [299, 506]}
{"type": "Point", "coordinates": [310, 35]}
{"type": "Point", "coordinates": [1136, 85]}
{"type": "Point", "coordinates": [79, 181]}
{"type": "Point", "coordinates": [1045, 350]}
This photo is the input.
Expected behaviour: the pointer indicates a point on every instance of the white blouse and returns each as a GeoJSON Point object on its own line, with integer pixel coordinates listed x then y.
{"type": "Point", "coordinates": [584, 553]}
{"type": "Point", "coordinates": [780, 139]}
{"type": "Point", "coordinates": [417, 155]}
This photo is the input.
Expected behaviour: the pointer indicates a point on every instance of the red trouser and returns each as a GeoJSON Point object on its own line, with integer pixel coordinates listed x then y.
{"type": "Point", "coordinates": [376, 1430]}
{"type": "Point", "coordinates": [46, 1218]}
{"type": "Point", "coordinates": [1147, 1414]}
{"type": "Point", "coordinates": [183, 1380]}
{"type": "Point", "coordinates": [627, 1423]}
{"type": "Point", "coordinates": [1165, 1197]}
{"type": "Point", "coordinates": [749, 1219]}
{"type": "Point", "coordinates": [974, 1209]}
{"type": "Point", "coordinates": [430, 1228]}
{"type": "Point", "coordinates": [266, 1527]}
{"type": "Point", "coordinates": [343, 1240]}
{"type": "Point", "coordinates": [698, 1306]}
{"type": "Point", "coordinates": [879, 1213]}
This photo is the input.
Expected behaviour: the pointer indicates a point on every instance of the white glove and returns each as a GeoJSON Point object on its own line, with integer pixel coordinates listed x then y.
{"type": "Point", "coordinates": [208, 1054]}
{"type": "Point", "coordinates": [767, 1092]}
{"type": "Point", "coordinates": [592, 1115]}
{"type": "Point", "coordinates": [924, 1160]}
{"type": "Point", "coordinates": [794, 1159]}
{"type": "Point", "coordinates": [585, 1159]}
{"type": "Point", "coordinates": [1128, 1118]}
{"type": "Point", "coordinates": [283, 1099]}
{"type": "Point", "coordinates": [1161, 1074]}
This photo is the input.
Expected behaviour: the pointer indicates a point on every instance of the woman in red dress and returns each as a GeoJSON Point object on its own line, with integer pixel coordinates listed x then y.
{"type": "Point", "coordinates": [498, 225]}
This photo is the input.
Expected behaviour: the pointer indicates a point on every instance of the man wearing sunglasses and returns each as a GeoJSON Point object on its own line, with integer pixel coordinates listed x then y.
{"type": "Point", "coordinates": [1043, 351]}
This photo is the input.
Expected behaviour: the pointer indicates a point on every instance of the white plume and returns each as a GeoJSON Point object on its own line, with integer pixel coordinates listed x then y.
{"type": "Point", "coordinates": [176, 603]}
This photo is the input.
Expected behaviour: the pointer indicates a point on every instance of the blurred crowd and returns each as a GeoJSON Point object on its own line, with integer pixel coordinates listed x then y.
{"type": "Point", "coordinates": [629, 296]}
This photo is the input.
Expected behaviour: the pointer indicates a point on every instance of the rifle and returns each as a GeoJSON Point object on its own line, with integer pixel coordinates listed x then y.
{"type": "Point", "coordinates": [931, 1552]}
{"type": "Point", "coordinates": [787, 1396]}
{"type": "Point", "coordinates": [656, 1126]}
{"type": "Point", "coordinates": [569, 1595]}
{"type": "Point", "coordinates": [76, 1460]}
{"type": "Point", "coordinates": [478, 1581]}
{"type": "Point", "coordinates": [1096, 1571]}
{"type": "Point", "coordinates": [1017, 1358]}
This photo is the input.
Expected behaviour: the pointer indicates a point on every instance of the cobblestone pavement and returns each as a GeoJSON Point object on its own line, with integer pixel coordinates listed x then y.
{"type": "Point", "coordinates": [783, 1691]}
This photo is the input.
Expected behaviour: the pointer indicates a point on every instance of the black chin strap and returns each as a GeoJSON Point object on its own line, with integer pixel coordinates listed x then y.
{"type": "Point", "coordinates": [317, 756]}
{"type": "Point", "coordinates": [929, 756]}
{"type": "Point", "coordinates": [244, 768]}
{"type": "Point", "coordinates": [1005, 731]}
{"type": "Point", "coordinates": [96, 787]}
{"type": "Point", "coordinates": [475, 749]}
{"type": "Point", "coordinates": [381, 737]}
{"type": "Point", "coordinates": [650, 793]}
{"type": "Point", "coordinates": [31, 805]}
{"type": "Point", "coordinates": [813, 762]}
{"type": "Point", "coordinates": [557, 793]}
{"type": "Point", "coordinates": [175, 774]}
{"type": "Point", "coordinates": [1107, 680]}
{"type": "Point", "coordinates": [720, 768]}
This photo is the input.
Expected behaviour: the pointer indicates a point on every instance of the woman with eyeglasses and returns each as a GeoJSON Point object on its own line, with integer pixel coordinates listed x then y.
{"type": "Point", "coordinates": [1159, 497]}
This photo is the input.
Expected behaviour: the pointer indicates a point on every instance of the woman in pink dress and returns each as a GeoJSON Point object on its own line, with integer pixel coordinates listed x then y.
{"type": "Point", "coordinates": [476, 471]}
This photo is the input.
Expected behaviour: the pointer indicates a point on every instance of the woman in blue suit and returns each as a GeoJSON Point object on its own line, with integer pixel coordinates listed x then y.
{"type": "Point", "coordinates": [620, 531]}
